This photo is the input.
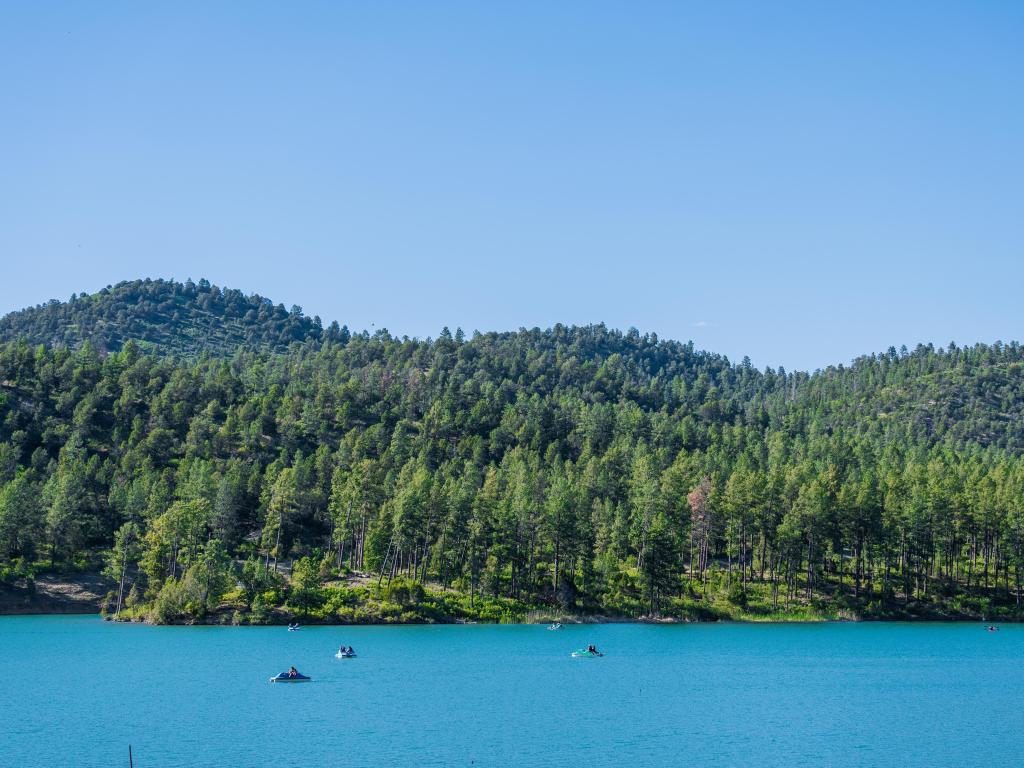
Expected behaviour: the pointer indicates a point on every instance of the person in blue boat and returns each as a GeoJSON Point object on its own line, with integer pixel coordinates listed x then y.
{"type": "Point", "coordinates": [293, 672]}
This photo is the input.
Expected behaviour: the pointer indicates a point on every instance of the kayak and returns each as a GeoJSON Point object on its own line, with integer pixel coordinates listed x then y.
{"type": "Point", "coordinates": [284, 677]}
{"type": "Point", "coordinates": [345, 655]}
{"type": "Point", "coordinates": [584, 653]}
{"type": "Point", "coordinates": [556, 625]}
{"type": "Point", "coordinates": [294, 629]}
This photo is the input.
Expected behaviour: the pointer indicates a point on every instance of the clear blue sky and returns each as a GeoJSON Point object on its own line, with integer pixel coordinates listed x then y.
{"type": "Point", "coordinates": [796, 182]}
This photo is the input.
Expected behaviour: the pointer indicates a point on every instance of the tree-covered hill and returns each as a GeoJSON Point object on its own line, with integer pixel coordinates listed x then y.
{"type": "Point", "coordinates": [164, 316]}
{"type": "Point", "coordinates": [965, 395]}
{"type": "Point", "coordinates": [571, 467]}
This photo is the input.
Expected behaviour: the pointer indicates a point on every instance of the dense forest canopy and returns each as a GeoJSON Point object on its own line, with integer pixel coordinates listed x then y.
{"type": "Point", "coordinates": [166, 317]}
{"type": "Point", "coordinates": [574, 466]}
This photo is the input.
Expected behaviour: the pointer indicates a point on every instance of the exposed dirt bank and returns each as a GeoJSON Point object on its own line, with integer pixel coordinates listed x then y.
{"type": "Point", "coordinates": [65, 593]}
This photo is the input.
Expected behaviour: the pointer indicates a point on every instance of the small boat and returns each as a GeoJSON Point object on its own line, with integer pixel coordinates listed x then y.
{"type": "Point", "coordinates": [586, 653]}
{"type": "Point", "coordinates": [286, 677]}
{"type": "Point", "coordinates": [293, 627]}
{"type": "Point", "coordinates": [345, 654]}
{"type": "Point", "coordinates": [556, 625]}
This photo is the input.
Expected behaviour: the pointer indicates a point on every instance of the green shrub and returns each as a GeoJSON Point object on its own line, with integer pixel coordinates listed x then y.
{"type": "Point", "coordinates": [170, 602]}
{"type": "Point", "coordinates": [736, 594]}
{"type": "Point", "coordinates": [404, 592]}
{"type": "Point", "coordinates": [259, 613]}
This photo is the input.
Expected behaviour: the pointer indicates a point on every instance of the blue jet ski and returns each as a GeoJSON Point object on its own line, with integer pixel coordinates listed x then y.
{"type": "Point", "coordinates": [290, 677]}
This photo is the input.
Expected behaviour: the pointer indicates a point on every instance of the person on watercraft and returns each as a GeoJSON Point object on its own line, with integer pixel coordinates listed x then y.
{"type": "Point", "coordinates": [591, 649]}
{"type": "Point", "coordinates": [293, 672]}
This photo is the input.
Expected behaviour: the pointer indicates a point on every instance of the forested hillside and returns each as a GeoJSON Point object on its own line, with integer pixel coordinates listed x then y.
{"type": "Point", "coordinates": [165, 317]}
{"type": "Point", "coordinates": [580, 469]}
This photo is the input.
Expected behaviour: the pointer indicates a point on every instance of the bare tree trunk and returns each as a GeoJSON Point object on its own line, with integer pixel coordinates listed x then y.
{"type": "Point", "coordinates": [277, 544]}
{"type": "Point", "coordinates": [124, 571]}
{"type": "Point", "coordinates": [557, 553]}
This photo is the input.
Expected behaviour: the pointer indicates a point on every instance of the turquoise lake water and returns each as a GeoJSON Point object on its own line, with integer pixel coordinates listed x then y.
{"type": "Point", "coordinates": [79, 690]}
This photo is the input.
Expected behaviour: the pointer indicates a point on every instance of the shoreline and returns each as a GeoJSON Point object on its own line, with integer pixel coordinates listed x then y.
{"type": "Point", "coordinates": [88, 593]}
{"type": "Point", "coordinates": [578, 621]}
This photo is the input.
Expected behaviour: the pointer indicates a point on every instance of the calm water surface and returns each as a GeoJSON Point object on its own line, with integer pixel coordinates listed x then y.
{"type": "Point", "coordinates": [79, 690]}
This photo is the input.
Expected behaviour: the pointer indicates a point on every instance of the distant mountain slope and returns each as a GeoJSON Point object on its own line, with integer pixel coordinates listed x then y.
{"type": "Point", "coordinates": [964, 395]}
{"type": "Point", "coordinates": [164, 316]}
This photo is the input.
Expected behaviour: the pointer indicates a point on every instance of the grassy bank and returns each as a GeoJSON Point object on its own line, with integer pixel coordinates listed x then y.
{"type": "Point", "coordinates": [407, 602]}
{"type": "Point", "coordinates": [312, 591]}
{"type": "Point", "coordinates": [400, 602]}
